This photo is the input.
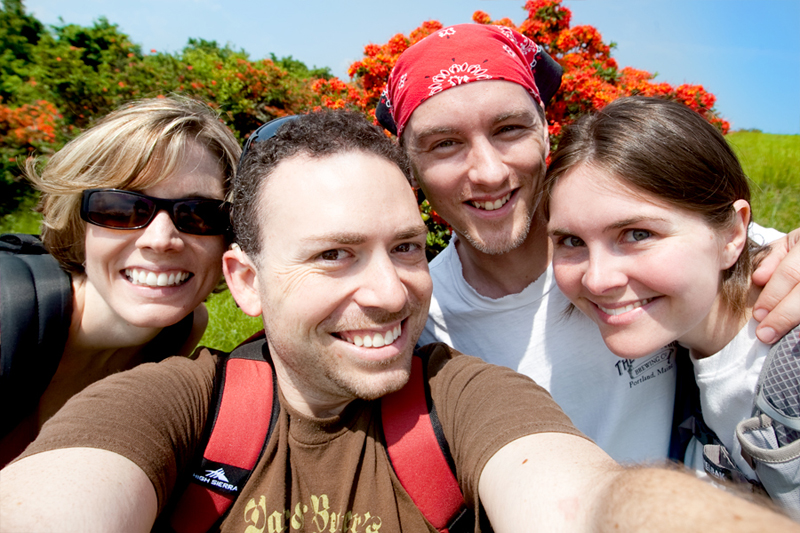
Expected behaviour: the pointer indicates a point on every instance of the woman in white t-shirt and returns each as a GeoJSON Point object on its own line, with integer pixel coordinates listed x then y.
{"type": "Point", "coordinates": [648, 210]}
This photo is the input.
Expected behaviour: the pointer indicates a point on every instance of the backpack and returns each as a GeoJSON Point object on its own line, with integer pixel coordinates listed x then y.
{"type": "Point", "coordinates": [35, 314]}
{"type": "Point", "coordinates": [247, 383]}
{"type": "Point", "coordinates": [769, 439]}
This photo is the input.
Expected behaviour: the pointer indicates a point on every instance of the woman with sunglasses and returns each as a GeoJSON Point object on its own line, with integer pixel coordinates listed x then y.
{"type": "Point", "coordinates": [648, 210]}
{"type": "Point", "coordinates": [134, 210]}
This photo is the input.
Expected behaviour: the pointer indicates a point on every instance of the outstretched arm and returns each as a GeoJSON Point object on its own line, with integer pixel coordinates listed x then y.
{"type": "Point", "coordinates": [76, 489]}
{"type": "Point", "coordinates": [557, 482]}
{"type": "Point", "coordinates": [778, 306]}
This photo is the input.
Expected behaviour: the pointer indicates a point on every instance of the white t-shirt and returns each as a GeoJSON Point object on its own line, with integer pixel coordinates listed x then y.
{"type": "Point", "coordinates": [624, 405]}
{"type": "Point", "coordinates": [727, 382]}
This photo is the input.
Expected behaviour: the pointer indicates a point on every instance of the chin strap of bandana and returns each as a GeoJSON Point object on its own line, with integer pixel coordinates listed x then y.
{"type": "Point", "coordinates": [463, 54]}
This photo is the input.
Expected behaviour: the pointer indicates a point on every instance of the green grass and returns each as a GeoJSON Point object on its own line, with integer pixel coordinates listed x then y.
{"type": "Point", "coordinates": [771, 161]}
{"type": "Point", "coordinates": [23, 220]}
{"type": "Point", "coordinates": [227, 324]}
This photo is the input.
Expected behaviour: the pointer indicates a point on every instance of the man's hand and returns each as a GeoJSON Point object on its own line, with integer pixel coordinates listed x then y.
{"type": "Point", "coordinates": [778, 306]}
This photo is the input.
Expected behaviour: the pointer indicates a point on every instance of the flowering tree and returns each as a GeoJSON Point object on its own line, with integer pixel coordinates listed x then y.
{"type": "Point", "coordinates": [57, 81]}
{"type": "Point", "coordinates": [24, 130]}
{"type": "Point", "coordinates": [591, 79]}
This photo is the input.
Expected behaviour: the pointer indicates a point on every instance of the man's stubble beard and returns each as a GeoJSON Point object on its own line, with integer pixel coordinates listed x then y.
{"type": "Point", "coordinates": [500, 246]}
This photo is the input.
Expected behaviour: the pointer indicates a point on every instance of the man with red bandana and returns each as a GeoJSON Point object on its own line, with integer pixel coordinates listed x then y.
{"type": "Point", "coordinates": [467, 104]}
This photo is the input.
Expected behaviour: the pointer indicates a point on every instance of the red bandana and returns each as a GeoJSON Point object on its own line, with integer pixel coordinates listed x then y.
{"type": "Point", "coordinates": [454, 56]}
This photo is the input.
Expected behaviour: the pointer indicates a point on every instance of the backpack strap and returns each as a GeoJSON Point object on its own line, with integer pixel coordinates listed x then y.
{"type": "Point", "coordinates": [420, 455]}
{"type": "Point", "coordinates": [246, 383]}
{"type": "Point", "coordinates": [687, 416]}
{"type": "Point", "coordinates": [415, 444]}
{"type": "Point", "coordinates": [771, 438]}
{"type": "Point", "coordinates": [778, 389]}
{"type": "Point", "coordinates": [35, 315]}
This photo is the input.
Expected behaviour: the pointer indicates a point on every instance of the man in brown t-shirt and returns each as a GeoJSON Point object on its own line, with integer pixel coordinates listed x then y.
{"type": "Point", "coordinates": [331, 252]}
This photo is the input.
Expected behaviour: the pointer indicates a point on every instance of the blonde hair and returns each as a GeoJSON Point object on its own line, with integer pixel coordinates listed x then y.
{"type": "Point", "coordinates": [133, 148]}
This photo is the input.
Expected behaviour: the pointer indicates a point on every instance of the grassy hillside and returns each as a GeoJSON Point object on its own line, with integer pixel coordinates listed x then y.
{"type": "Point", "coordinates": [771, 161]}
{"type": "Point", "coordinates": [773, 164]}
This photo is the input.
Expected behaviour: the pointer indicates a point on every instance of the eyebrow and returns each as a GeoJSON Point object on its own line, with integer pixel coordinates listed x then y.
{"type": "Point", "coordinates": [352, 238]}
{"type": "Point", "coordinates": [558, 232]}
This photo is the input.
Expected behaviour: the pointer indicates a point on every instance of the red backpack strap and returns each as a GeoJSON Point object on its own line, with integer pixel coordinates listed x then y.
{"type": "Point", "coordinates": [245, 414]}
{"type": "Point", "coordinates": [420, 455]}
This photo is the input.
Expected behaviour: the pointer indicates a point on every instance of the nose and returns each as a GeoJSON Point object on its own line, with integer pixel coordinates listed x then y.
{"type": "Point", "coordinates": [381, 285]}
{"type": "Point", "coordinates": [486, 165]}
{"type": "Point", "coordinates": [161, 234]}
{"type": "Point", "coordinates": [604, 272]}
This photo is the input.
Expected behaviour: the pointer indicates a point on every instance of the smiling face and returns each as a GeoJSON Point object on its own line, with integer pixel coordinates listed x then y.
{"type": "Point", "coordinates": [479, 152]}
{"type": "Point", "coordinates": [342, 279]}
{"type": "Point", "coordinates": [155, 276]}
{"type": "Point", "coordinates": [647, 273]}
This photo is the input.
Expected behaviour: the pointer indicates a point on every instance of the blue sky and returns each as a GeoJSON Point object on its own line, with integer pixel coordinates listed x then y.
{"type": "Point", "coordinates": [746, 52]}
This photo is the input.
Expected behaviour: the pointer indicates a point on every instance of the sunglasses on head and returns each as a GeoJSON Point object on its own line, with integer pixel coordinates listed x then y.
{"type": "Point", "coordinates": [118, 209]}
{"type": "Point", "coordinates": [265, 132]}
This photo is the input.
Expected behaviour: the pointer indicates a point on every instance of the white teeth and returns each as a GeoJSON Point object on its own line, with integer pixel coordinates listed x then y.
{"type": "Point", "coordinates": [151, 279]}
{"type": "Point", "coordinates": [377, 340]}
{"type": "Point", "coordinates": [491, 206]}
{"type": "Point", "coordinates": [630, 307]}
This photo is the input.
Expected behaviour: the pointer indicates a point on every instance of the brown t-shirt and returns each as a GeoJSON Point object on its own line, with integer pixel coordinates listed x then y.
{"type": "Point", "coordinates": [316, 474]}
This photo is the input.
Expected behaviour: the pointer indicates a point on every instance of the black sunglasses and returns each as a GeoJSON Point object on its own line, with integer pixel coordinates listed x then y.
{"type": "Point", "coordinates": [118, 209]}
{"type": "Point", "coordinates": [265, 132]}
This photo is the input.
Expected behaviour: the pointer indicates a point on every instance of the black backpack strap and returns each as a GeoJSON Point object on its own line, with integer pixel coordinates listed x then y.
{"type": "Point", "coordinates": [35, 315]}
{"type": "Point", "coordinates": [246, 384]}
{"type": "Point", "coordinates": [687, 416]}
{"type": "Point", "coordinates": [420, 455]}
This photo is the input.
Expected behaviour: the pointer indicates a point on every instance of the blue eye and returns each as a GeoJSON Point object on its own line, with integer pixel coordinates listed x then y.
{"type": "Point", "coordinates": [636, 235]}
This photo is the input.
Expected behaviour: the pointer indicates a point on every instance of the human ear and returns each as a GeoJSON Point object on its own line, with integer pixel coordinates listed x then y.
{"type": "Point", "coordinates": [736, 236]}
{"type": "Point", "coordinates": [242, 278]}
{"type": "Point", "coordinates": [545, 133]}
